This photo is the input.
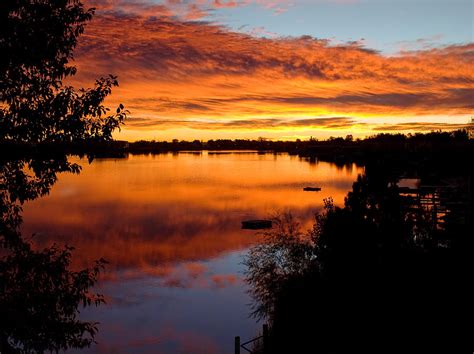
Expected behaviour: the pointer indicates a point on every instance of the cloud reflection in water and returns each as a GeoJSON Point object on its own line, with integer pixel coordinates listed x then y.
{"type": "Point", "coordinates": [170, 227]}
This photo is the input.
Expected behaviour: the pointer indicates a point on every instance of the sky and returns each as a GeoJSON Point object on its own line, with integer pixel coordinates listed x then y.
{"type": "Point", "coordinates": [282, 69]}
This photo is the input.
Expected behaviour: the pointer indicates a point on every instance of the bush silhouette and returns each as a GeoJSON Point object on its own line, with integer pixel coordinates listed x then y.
{"type": "Point", "coordinates": [364, 282]}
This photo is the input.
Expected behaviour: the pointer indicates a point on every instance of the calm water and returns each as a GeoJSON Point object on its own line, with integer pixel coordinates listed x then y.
{"type": "Point", "coordinates": [170, 227]}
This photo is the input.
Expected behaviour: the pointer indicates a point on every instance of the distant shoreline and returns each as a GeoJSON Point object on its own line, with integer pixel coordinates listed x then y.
{"type": "Point", "coordinates": [435, 146]}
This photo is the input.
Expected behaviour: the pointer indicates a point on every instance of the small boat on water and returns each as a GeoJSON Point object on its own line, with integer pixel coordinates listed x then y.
{"type": "Point", "coordinates": [256, 224]}
{"type": "Point", "coordinates": [312, 189]}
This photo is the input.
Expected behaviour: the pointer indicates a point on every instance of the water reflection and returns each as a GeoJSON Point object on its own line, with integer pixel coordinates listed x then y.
{"type": "Point", "coordinates": [170, 227]}
{"type": "Point", "coordinates": [145, 211]}
{"type": "Point", "coordinates": [39, 295]}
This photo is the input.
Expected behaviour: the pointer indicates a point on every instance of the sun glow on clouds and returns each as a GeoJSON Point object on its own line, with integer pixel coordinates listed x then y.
{"type": "Point", "coordinates": [196, 79]}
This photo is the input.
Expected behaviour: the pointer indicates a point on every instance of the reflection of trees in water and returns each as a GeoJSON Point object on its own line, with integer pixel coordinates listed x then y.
{"type": "Point", "coordinates": [40, 296]}
{"type": "Point", "coordinates": [369, 276]}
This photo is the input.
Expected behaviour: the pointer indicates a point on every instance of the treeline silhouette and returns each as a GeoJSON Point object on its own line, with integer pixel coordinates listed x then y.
{"type": "Point", "coordinates": [376, 275]}
{"type": "Point", "coordinates": [333, 149]}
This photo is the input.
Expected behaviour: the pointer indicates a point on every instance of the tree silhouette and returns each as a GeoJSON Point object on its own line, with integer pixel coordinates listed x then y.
{"type": "Point", "coordinates": [39, 295]}
{"type": "Point", "coordinates": [360, 280]}
{"type": "Point", "coordinates": [286, 253]}
{"type": "Point", "coordinates": [37, 39]}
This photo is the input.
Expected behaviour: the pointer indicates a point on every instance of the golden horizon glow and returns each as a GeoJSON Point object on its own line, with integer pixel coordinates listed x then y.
{"type": "Point", "coordinates": [200, 80]}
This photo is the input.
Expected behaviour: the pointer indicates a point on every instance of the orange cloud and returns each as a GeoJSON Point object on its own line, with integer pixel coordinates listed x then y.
{"type": "Point", "coordinates": [203, 76]}
{"type": "Point", "coordinates": [421, 126]}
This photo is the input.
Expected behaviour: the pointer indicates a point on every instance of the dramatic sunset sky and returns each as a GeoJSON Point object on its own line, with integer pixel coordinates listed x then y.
{"type": "Point", "coordinates": [282, 69]}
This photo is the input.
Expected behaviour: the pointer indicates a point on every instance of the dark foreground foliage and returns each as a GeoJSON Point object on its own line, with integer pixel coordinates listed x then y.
{"type": "Point", "coordinates": [37, 40]}
{"type": "Point", "coordinates": [40, 296]}
{"type": "Point", "coordinates": [371, 276]}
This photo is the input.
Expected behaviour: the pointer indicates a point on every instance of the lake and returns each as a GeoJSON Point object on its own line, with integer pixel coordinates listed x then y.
{"type": "Point", "coordinates": [170, 227]}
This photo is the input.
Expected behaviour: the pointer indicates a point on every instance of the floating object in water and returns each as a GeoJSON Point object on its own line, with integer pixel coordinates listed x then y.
{"type": "Point", "coordinates": [256, 224]}
{"type": "Point", "coordinates": [312, 189]}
